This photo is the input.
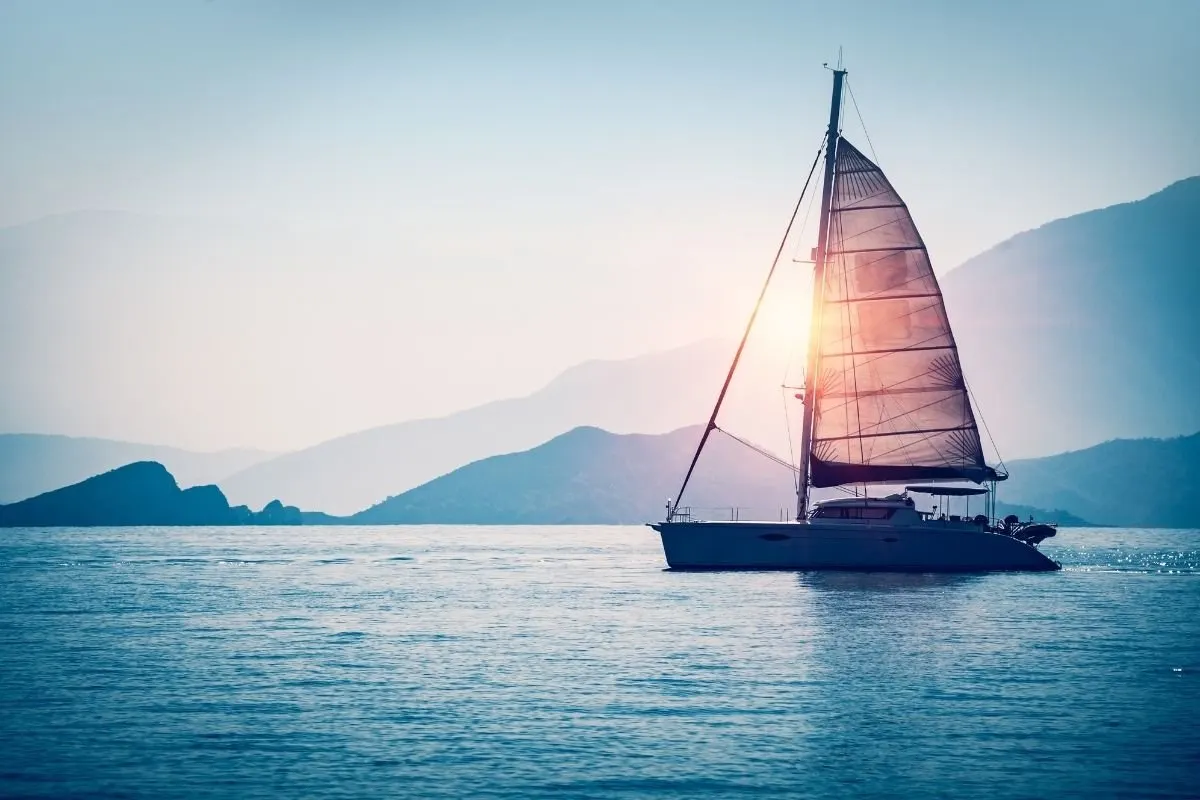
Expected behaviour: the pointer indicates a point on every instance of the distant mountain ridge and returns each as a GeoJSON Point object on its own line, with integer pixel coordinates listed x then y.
{"type": "Point", "coordinates": [1071, 334]}
{"type": "Point", "coordinates": [649, 394]}
{"type": "Point", "coordinates": [1085, 329]}
{"type": "Point", "coordinates": [588, 476]}
{"type": "Point", "coordinates": [591, 476]}
{"type": "Point", "coordinates": [31, 464]}
{"type": "Point", "coordinates": [1126, 482]}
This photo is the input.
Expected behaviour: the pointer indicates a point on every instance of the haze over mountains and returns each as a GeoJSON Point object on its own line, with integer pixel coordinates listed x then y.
{"type": "Point", "coordinates": [590, 476]}
{"type": "Point", "coordinates": [1071, 334]}
{"type": "Point", "coordinates": [651, 394]}
{"type": "Point", "coordinates": [1127, 482]}
{"type": "Point", "coordinates": [1086, 329]}
{"type": "Point", "coordinates": [34, 463]}
{"type": "Point", "coordinates": [190, 332]}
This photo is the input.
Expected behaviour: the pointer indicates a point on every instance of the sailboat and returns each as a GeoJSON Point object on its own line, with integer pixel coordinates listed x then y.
{"type": "Point", "coordinates": [884, 403]}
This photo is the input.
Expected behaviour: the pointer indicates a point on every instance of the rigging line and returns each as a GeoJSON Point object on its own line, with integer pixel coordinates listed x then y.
{"type": "Point", "coordinates": [787, 369]}
{"type": "Point", "coordinates": [804, 224]}
{"type": "Point", "coordinates": [787, 423]}
{"type": "Point", "coordinates": [737, 356]}
{"type": "Point", "coordinates": [985, 426]}
{"type": "Point", "coordinates": [854, 103]}
{"type": "Point", "coordinates": [762, 451]}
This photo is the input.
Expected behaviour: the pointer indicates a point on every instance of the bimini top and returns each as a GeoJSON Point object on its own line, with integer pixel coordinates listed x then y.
{"type": "Point", "coordinates": [891, 501]}
{"type": "Point", "coordinates": [947, 491]}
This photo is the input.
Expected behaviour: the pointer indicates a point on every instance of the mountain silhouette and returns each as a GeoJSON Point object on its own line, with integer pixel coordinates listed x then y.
{"type": "Point", "coordinates": [141, 493]}
{"type": "Point", "coordinates": [588, 476]}
{"type": "Point", "coordinates": [1071, 334]}
{"type": "Point", "coordinates": [1126, 483]}
{"type": "Point", "coordinates": [31, 464]}
{"type": "Point", "coordinates": [1085, 329]}
{"type": "Point", "coordinates": [656, 393]}
{"type": "Point", "coordinates": [591, 476]}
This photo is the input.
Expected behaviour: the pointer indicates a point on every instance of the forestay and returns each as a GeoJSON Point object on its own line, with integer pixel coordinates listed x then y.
{"type": "Point", "coordinates": [891, 402]}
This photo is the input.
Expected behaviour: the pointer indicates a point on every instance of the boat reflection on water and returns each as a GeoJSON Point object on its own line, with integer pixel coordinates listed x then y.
{"type": "Point", "coordinates": [846, 581]}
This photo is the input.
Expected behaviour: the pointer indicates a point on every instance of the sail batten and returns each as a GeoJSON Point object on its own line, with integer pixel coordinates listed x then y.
{"type": "Point", "coordinates": [891, 404]}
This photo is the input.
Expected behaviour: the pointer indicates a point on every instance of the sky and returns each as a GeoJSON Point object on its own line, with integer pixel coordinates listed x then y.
{"type": "Point", "coordinates": [451, 203]}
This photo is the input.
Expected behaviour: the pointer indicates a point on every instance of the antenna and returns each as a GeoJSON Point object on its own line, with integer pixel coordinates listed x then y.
{"type": "Point", "coordinates": [839, 67]}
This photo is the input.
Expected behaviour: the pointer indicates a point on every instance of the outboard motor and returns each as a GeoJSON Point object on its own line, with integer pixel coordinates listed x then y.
{"type": "Point", "coordinates": [1030, 533]}
{"type": "Point", "coordinates": [1034, 533]}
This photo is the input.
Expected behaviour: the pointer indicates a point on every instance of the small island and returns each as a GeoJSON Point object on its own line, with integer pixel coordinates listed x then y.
{"type": "Point", "coordinates": [141, 493]}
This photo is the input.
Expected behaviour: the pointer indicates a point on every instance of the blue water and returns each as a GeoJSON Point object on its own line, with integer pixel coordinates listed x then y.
{"type": "Point", "coordinates": [565, 662]}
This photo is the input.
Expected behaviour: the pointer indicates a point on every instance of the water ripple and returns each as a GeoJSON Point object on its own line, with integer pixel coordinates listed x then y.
{"type": "Point", "coordinates": [566, 662]}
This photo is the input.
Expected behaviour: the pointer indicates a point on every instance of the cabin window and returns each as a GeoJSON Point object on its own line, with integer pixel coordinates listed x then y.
{"type": "Point", "coordinates": [854, 512]}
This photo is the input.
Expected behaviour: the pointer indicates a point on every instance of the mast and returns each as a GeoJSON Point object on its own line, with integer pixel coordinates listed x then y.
{"type": "Point", "coordinates": [811, 367]}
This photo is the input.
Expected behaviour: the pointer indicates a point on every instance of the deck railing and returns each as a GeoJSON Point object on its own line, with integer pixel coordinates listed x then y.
{"type": "Point", "coordinates": [732, 514]}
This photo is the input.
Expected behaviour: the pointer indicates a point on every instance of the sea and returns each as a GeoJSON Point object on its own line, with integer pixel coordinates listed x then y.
{"type": "Point", "coordinates": [567, 662]}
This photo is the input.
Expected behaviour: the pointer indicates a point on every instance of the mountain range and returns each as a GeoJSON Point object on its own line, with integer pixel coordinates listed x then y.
{"type": "Point", "coordinates": [655, 393]}
{"type": "Point", "coordinates": [1071, 334]}
{"type": "Point", "coordinates": [591, 476]}
{"type": "Point", "coordinates": [1085, 329]}
{"type": "Point", "coordinates": [584, 476]}
{"type": "Point", "coordinates": [1127, 483]}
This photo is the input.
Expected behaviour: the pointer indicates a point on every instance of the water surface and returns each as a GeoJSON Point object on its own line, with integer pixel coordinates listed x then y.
{"type": "Point", "coordinates": [566, 662]}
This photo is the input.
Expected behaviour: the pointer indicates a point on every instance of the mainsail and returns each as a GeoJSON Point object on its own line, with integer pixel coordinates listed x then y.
{"type": "Point", "coordinates": [891, 404]}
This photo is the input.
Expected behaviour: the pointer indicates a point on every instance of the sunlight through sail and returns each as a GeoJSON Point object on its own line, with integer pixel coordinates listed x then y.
{"type": "Point", "coordinates": [891, 402]}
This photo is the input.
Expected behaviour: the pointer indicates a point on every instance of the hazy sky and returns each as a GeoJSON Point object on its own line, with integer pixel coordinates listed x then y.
{"type": "Point", "coordinates": [511, 188]}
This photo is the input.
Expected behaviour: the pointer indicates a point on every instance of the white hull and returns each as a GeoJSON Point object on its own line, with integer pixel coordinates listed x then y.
{"type": "Point", "coordinates": [809, 545]}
